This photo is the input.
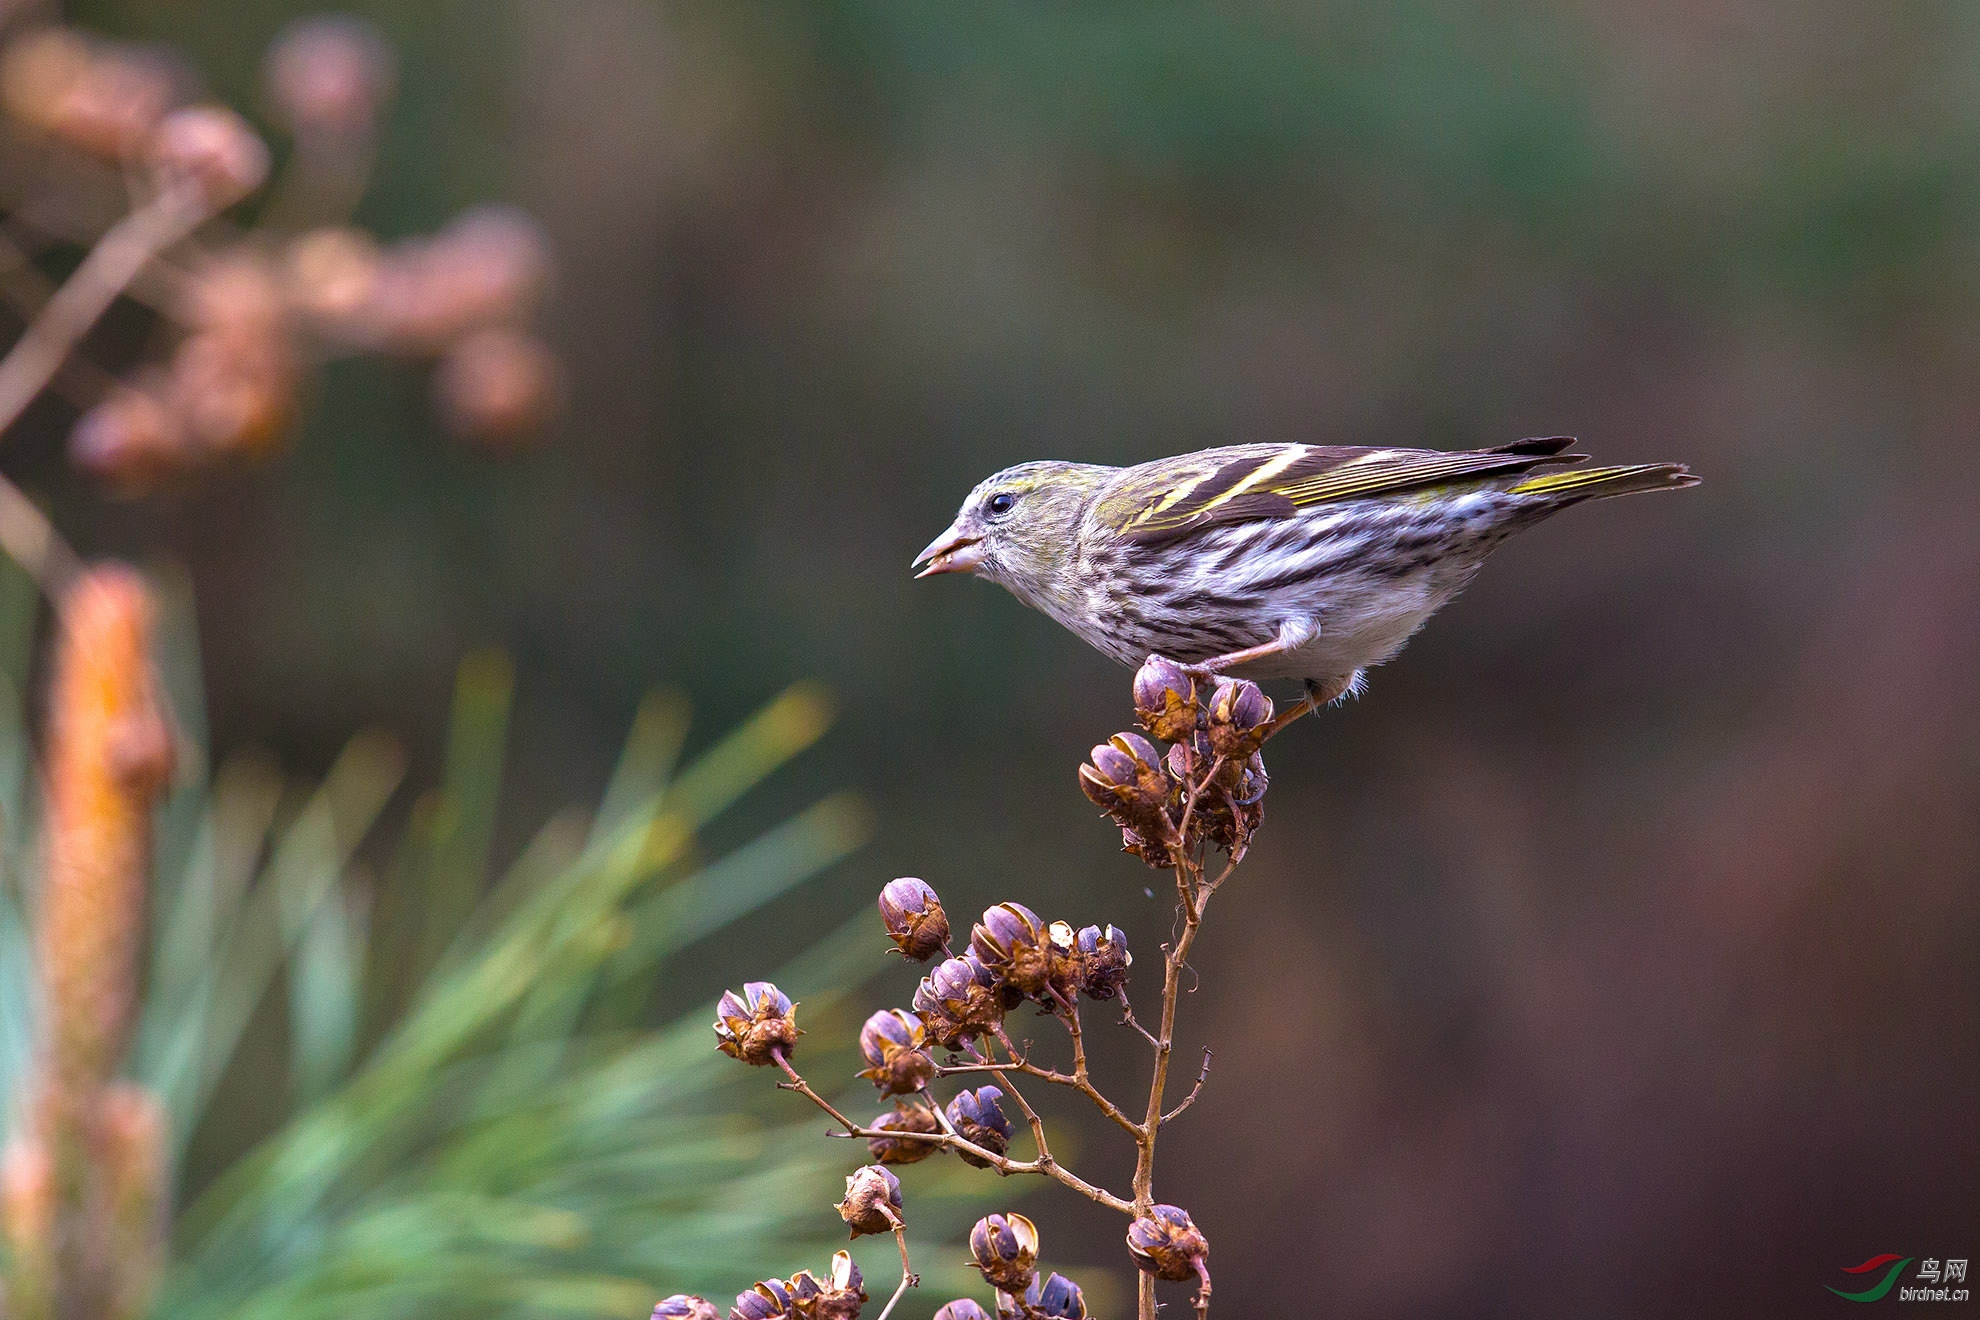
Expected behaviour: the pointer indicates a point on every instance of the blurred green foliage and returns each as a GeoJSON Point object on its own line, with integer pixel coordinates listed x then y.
{"type": "Point", "coordinates": [471, 1114]}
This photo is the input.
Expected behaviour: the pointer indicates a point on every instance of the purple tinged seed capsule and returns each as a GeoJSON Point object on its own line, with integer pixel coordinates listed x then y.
{"type": "Point", "coordinates": [914, 918]}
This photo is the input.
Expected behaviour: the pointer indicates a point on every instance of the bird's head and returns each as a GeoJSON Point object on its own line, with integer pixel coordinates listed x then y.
{"type": "Point", "coordinates": [1017, 528]}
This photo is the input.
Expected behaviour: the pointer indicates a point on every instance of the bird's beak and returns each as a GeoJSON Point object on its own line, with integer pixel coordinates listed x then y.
{"type": "Point", "coordinates": [954, 551]}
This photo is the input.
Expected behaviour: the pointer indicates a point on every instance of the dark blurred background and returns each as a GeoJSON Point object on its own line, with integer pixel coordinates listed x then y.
{"type": "Point", "coordinates": [1618, 953]}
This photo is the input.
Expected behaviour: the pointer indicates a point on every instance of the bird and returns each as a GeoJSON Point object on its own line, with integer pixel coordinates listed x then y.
{"type": "Point", "coordinates": [1266, 561]}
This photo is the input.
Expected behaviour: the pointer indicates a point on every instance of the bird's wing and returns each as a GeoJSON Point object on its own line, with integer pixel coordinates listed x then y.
{"type": "Point", "coordinates": [1172, 498]}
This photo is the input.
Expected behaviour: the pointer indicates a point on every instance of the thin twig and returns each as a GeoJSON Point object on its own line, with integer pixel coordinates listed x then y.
{"type": "Point", "coordinates": [909, 1279]}
{"type": "Point", "coordinates": [124, 250]}
{"type": "Point", "coordinates": [949, 1138]}
{"type": "Point", "coordinates": [31, 541]}
{"type": "Point", "coordinates": [1128, 1019]}
{"type": "Point", "coordinates": [1190, 1099]}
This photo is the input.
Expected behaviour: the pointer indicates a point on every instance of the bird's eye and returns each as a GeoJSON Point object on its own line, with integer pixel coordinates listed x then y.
{"type": "Point", "coordinates": [1000, 504]}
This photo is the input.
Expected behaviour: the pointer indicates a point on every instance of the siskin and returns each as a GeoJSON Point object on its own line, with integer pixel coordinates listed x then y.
{"type": "Point", "coordinates": [1313, 562]}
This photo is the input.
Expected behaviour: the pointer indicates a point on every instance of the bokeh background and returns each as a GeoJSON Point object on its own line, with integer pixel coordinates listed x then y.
{"type": "Point", "coordinates": [1619, 953]}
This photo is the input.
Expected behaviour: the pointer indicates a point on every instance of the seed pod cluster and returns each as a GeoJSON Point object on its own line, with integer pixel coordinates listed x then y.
{"type": "Point", "coordinates": [1213, 759]}
{"type": "Point", "coordinates": [463, 298]}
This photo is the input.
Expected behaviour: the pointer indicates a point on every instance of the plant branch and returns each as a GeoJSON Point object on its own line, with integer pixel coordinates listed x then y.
{"type": "Point", "coordinates": [909, 1279]}
{"type": "Point", "coordinates": [1190, 1099]}
{"type": "Point", "coordinates": [1047, 1166]}
{"type": "Point", "coordinates": [123, 251]}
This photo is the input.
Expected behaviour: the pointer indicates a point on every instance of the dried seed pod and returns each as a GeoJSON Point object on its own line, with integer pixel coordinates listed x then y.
{"type": "Point", "coordinates": [895, 1045]}
{"type": "Point", "coordinates": [837, 1296]}
{"type": "Point", "coordinates": [903, 1150]}
{"type": "Point", "coordinates": [1101, 962]}
{"type": "Point", "coordinates": [211, 148]}
{"type": "Point", "coordinates": [686, 1306]}
{"type": "Point", "coordinates": [1160, 856]}
{"type": "Point", "coordinates": [1237, 720]}
{"type": "Point", "coordinates": [1128, 781]}
{"type": "Point", "coordinates": [498, 385]}
{"type": "Point", "coordinates": [1165, 699]}
{"type": "Point", "coordinates": [233, 393]}
{"type": "Point", "coordinates": [330, 276]}
{"type": "Point", "coordinates": [1005, 1249]}
{"type": "Point", "coordinates": [114, 102]}
{"type": "Point", "coordinates": [914, 917]}
{"type": "Point", "coordinates": [764, 1301]}
{"type": "Point", "coordinates": [1015, 945]}
{"type": "Point", "coordinates": [133, 438]}
{"type": "Point", "coordinates": [489, 266]}
{"type": "Point", "coordinates": [872, 1202]}
{"type": "Point", "coordinates": [1057, 1298]}
{"type": "Point", "coordinates": [756, 1026]}
{"type": "Point", "coordinates": [978, 1118]}
{"type": "Point", "coordinates": [329, 74]}
{"type": "Point", "coordinates": [962, 1309]}
{"type": "Point", "coordinates": [38, 70]}
{"type": "Point", "coordinates": [1166, 1244]}
{"type": "Point", "coordinates": [959, 1001]}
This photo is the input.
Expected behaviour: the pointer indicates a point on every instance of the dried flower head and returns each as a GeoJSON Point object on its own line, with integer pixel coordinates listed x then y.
{"type": "Point", "coordinates": [1165, 700]}
{"type": "Point", "coordinates": [686, 1306]}
{"type": "Point", "coordinates": [1057, 1298]}
{"type": "Point", "coordinates": [837, 1296]}
{"type": "Point", "coordinates": [959, 1001]}
{"type": "Point", "coordinates": [895, 1046]}
{"type": "Point", "coordinates": [978, 1118]}
{"type": "Point", "coordinates": [1016, 946]}
{"type": "Point", "coordinates": [1237, 720]}
{"type": "Point", "coordinates": [111, 101]}
{"type": "Point", "coordinates": [756, 1026]}
{"type": "Point", "coordinates": [233, 393]}
{"type": "Point", "coordinates": [1101, 961]}
{"type": "Point", "coordinates": [329, 74]}
{"type": "Point", "coordinates": [962, 1309]}
{"type": "Point", "coordinates": [488, 267]}
{"type": "Point", "coordinates": [903, 1150]}
{"type": "Point", "coordinates": [133, 438]}
{"type": "Point", "coordinates": [38, 70]}
{"type": "Point", "coordinates": [330, 277]}
{"type": "Point", "coordinates": [1166, 1244]}
{"type": "Point", "coordinates": [914, 918]}
{"type": "Point", "coordinates": [873, 1201]}
{"type": "Point", "coordinates": [764, 1301]}
{"type": "Point", "coordinates": [1128, 781]}
{"type": "Point", "coordinates": [1005, 1249]}
{"type": "Point", "coordinates": [498, 385]}
{"type": "Point", "coordinates": [212, 149]}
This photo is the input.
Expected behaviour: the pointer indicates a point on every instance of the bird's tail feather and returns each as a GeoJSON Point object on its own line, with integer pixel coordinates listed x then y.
{"type": "Point", "coordinates": [1597, 483]}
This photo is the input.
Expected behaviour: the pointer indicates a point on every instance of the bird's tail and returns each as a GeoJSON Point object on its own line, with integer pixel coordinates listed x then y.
{"type": "Point", "coordinates": [1575, 485]}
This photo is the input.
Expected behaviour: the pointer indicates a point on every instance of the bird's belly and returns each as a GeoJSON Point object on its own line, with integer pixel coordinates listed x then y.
{"type": "Point", "coordinates": [1360, 625]}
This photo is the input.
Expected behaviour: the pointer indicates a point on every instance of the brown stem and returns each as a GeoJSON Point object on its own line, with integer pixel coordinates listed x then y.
{"type": "Point", "coordinates": [909, 1279]}
{"type": "Point", "coordinates": [1128, 1019]}
{"type": "Point", "coordinates": [1078, 1079]}
{"type": "Point", "coordinates": [1050, 1168]}
{"type": "Point", "coordinates": [1190, 1099]}
{"type": "Point", "coordinates": [1024, 1106]}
